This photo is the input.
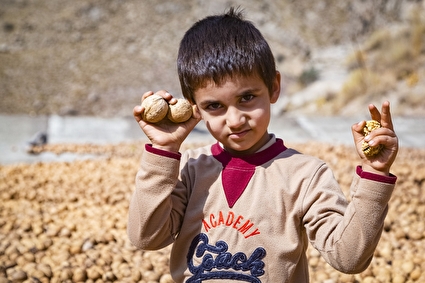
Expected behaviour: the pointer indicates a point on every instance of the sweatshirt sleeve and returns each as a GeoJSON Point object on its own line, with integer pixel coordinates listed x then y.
{"type": "Point", "coordinates": [346, 234]}
{"type": "Point", "coordinates": [157, 204]}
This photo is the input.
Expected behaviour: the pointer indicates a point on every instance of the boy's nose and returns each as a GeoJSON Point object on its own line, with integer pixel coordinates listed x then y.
{"type": "Point", "coordinates": [234, 117]}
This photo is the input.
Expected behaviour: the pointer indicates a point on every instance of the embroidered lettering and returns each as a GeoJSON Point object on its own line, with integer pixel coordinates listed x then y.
{"type": "Point", "coordinates": [224, 265]}
{"type": "Point", "coordinates": [220, 218]}
{"type": "Point", "coordinates": [206, 226]}
{"type": "Point", "coordinates": [246, 227]}
{"type": "Point", "coordinates": [238, 220]}
{"type": "Point", "coordinates": [230, 217]}
{"type": "Point", "coordinates": [256, 232]}
{"type": "Point", "coordinates": [212, 221]}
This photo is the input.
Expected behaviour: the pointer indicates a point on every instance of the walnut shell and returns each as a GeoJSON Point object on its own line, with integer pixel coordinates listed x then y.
{"type": "Point", "coordinates": [368, 128]}
{"type": "Point", "coordinates": [180, 112]}
{"type": "Point", "coordinates": [156, 108]}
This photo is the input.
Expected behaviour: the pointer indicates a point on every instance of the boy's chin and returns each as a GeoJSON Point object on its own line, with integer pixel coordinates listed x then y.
{"type": "Point", "coordinates": [239, 150]}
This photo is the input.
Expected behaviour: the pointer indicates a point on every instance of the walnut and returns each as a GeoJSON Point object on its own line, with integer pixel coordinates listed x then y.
{"type": "Point", "coordinates": [368, 128]}
{"type": "Point", "coordinates": [156, 108]}
{"type": "Point", "coordinates": [180, 112]}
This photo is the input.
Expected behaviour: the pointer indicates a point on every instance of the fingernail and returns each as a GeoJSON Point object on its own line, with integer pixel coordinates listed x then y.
{"type": "Point", "coordinates": [371, 143]}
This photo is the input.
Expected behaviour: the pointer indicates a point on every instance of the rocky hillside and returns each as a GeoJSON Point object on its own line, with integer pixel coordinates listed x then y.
{"type": "Point", "coordinates": [97, 57]}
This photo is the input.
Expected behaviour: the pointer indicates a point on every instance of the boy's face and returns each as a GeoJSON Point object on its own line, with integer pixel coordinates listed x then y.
{"type": "Point", "coordinates": [237, 113]}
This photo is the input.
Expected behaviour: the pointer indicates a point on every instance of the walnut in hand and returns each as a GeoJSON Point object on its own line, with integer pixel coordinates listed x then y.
{"type": "Point", "coordinates": [156, 108]}
{"type": "Point", "coordinates": [367, 149]}
{"type": "Point", "coordinates": [179, 112]}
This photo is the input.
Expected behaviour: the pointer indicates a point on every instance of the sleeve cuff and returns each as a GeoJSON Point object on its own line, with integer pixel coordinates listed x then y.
{"type": "Point", "coordinates": [391, 179]}
{"type": "Point", "coordinates": [169, 154]}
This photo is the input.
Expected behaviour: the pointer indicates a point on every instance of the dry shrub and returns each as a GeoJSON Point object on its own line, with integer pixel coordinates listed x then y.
{"type": "Point", "coordinates": [394, 49]}
{"type": "Point", "coordinates": [363, 83]}
{"type": "Point", "coordinates": [360, 81]}
{"type": "Point", "coordinates": [418, 33]}
{"type": "Point", "coordinates": [378, 39]}
{"type": "Point", "coordinates": [389, 59]}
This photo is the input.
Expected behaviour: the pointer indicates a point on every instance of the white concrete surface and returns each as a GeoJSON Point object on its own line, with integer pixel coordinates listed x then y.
{"type": "Point", "coordinates": [17, 130]}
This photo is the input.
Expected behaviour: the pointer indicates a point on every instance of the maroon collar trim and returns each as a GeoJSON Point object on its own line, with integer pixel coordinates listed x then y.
{"type": "Point", "coordinates": [255, 159]}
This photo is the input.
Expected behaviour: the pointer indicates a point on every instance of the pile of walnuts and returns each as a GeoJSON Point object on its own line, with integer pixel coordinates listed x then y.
{"type": "Point", "coordinates": [66, 221]}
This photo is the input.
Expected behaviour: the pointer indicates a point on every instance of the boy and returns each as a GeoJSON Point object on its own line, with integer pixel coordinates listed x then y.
{"type": "Point", "coordinates": [245, 208]}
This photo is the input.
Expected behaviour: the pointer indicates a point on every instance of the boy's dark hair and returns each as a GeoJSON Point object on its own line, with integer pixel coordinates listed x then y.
{"type": "Point", "coordinates": [223, 46]}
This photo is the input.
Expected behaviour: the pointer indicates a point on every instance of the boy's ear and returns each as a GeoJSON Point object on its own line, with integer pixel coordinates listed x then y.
{"type": "Point", "coordinates": [276, 88]}
{"type": "Point", "coordinates": [196, 113]}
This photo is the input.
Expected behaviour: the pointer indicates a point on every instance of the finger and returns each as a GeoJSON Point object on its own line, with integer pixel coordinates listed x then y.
{"type": "Point", "coordinates": [374, 113]}
{"type": "Point", "coordinates": [386, 140]}
{"type": "Point", "coordinates": [167, 96]}
{"type": "Point", "coordinates": [357, 131]}
{"type": "Point", "coordinates": [146, 94]}
{"type": "Point", "coordinates": [193, 121]}
{"type": "Point", "coordinates": [359, 127]}
{"type": "Point", "coordinates": [386, 120]}
{"type": "Point", "coordinates": [137, 113]}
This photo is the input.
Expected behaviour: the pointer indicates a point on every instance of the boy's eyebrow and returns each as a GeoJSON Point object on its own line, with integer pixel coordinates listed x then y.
{"type": "Point", "coordinates": [250, 90]}
{"type": "Point", "coordinates": [207, 102]}
{"type": "Point", "coordinates": [244, 92]}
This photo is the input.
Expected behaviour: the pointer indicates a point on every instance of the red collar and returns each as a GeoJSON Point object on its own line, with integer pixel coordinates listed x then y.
{"type": "Point", "coordinates": [237, 171]}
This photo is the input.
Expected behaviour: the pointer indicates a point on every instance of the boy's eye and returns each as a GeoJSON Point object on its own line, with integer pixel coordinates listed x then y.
{"type": "Point", "coordinates": [213, 106]}
{"type": "Point", "coordinates": [247, 97]}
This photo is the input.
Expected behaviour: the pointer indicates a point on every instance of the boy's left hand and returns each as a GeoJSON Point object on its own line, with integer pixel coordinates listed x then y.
{"type": "Point", "coordinates": [385, 136]}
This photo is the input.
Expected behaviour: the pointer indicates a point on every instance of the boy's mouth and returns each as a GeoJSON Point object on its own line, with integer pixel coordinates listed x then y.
{"type": "Point", "coordinates": [238, 135]}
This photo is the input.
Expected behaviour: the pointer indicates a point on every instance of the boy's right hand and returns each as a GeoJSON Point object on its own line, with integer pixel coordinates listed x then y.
{"type": "Point", "coordinates": [165, 134]}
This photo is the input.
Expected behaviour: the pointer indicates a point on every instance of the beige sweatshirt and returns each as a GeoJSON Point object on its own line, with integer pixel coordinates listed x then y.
{"type": "Point", "coordinates": [261, 232]}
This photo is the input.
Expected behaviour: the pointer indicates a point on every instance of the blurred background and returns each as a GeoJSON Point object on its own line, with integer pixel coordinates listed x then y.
{"type": "Point", "coordinates": [96, 58]}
